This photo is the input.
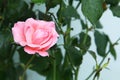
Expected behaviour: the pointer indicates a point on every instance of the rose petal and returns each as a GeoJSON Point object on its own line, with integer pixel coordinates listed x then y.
{"type": "Point", "coordinates": [28, 31]}
{"type": "Point", "coordinates": [30, 25]}
{"type": "Point", "coordinates": [39, 36]}
{"type": "Point", "coordinates": [43, 53]}
{"type": "Point", "coordinates": [54, 40]}
{"type": "Point", "coordinates": [31, 21]}
{"type": "Point", "coordinates": [51, 24]}
{"type": "Point", "coordinates": [30, 50]}
{"type": "Point", "coordinates": [33, 45]}
{"type": "Point", "coordinates": [49, 42]}
{"type": "Point", "coordinates": [18, 33]}
{"type": "Point", "coordinates": [46, 45]}
{"type": "Point", "coordinates": [45, 24]}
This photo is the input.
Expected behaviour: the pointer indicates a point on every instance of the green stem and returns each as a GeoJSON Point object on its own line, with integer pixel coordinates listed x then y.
{"type": "Point", "coordinates": [104, 58]}
{"type": "Point", "coordinates": [11, 53]}
{"type": "Point", "coordinates": [71, 63]}
{"type": "Point", "coordinates": [99, 66]}
{"type": "Point", "coordinates": [75, 70]}
{"type": "Point", "coordinates": [85, 37]}
{"type": "Point", "coordinates": [26, 66]}
{"type": "Point", "coordinates": [54, 69]}
{"type": "Point", "coordinates": [76, 73]}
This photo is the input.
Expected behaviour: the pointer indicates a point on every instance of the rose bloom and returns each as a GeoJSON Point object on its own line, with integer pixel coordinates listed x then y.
{"type": "Point", "coordinates": [36, 36]}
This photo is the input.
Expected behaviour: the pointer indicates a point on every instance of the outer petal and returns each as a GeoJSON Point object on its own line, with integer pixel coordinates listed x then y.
{"type": "Point", "coordinates": [18, 33]}
{"type": "Point", "coordinates": [54, 40]}
{"type": "Point", "coordinates": [51, 24]}
{"type": "Point", "coordinates": [30, 50]}
{"type": "Point", "coordinates": [55, 37]}
{"type": "Point", "coordinates": [43, 53]}
{"type": "Point", "coordinates": [32, 22]}
{"type": "Point", "coordinates": [45, 24]}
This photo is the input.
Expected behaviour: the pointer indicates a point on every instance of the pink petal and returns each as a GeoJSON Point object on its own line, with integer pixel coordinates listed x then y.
{"type": "Point", "coordinates": [28, 31]}
{"type": "Point", "coordinates": [33, 22]}
{"type": "Point", "coordinates": [43, 53]}
{"type": "Point", "coordinates": [30, 50]}
{"type": "Point", "coordinates": [46, 45]}
{"type": "Point", "coordinates": [54, 41]}
{"type": "Point", "coordinates": [39, 36]}
{"type": "Point", "coordinates": [33, 45]}
{"type": "Point", "coordinates": [51, 24]}
{"type": "Point", "coordinates": [18, 33]}
{"type": "Point", "coordinates": [45, 24]}
{"type": "Point", "coordinates": [49, 41]}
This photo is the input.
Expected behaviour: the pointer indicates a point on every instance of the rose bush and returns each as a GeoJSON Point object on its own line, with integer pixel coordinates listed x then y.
{"type": "Point", "coordinates": [36, 36]}
{"type": "Point", "coordinates": [82, 36]}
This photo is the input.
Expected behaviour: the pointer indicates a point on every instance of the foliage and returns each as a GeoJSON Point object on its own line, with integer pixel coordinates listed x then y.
{"type": "Point", "coordinates": [59, 65]}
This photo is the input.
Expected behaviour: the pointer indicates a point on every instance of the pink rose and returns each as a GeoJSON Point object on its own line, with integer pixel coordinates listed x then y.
{"type": "Point", "coordinates": [36, 36]}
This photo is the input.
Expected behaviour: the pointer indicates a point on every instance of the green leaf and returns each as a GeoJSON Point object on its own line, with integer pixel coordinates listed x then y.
{"type": "Point", "coordinates": [2, 75]}
{"type": "Point", "coordinates": [58, 56]}
{"type": "Point", "coordinates": [85, 42]}
{"type": "Point", "coordinates": [70, 12]}
{"type": "Point", "coordinates": [84, 26]}
{"type": "Point", "coordinates": [11, 73]}
{"type": "Point", "coordinates": [99, 25]}
{"type": "Point", "coordinates": [92, 9]}
{"type": "Point", "coordinates": [24, 57]}
{"type": "Point", "coordinates": [101, 41]}
{"type": "Point", "coordinates": [43, 16]}
{"type": "Point", "coordinates": [116, 10]}
{"type": "Point", "coordinates": [58, 74]}
{"type": "Point", "coordinates": [75, 55]}
{"type": "Point", "coordinates": [66, 13]}
{"type": "Point", "coordinates": [60, 13]}
{"type": "Point", "coordinates": [14, 9]}
{"type": "Point", "coordinates": [52, 3]}
{"type": "Point", "coordinates": [17, 12]}
{"type": "Point", "coordinates": [75, 41]}
{"type": "Point", "coordinates": [50, 74]}
{"type": "Point", "coordinates": [20, 70]}
{"type": "Point", "coordinates": [92, 53]}
{"type": "Point", "coordinates": [38, 1]}
{"type": "Point", "coordinates": [5, 43]}
{"type": "Point", "coordinates": [112, 51]}
{"type": "Point", "coordinates": [67, 70]}
{"type": "Point", "coordinates": [68, 74]}
{"type": "Point", "coordinates": [41, 65]}
{"type": "Point", "coordinates": [112, 2]}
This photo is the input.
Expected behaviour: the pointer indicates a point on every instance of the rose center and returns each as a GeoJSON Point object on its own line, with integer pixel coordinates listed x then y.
{"type": "Point", "coordinates": [39, 36]}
